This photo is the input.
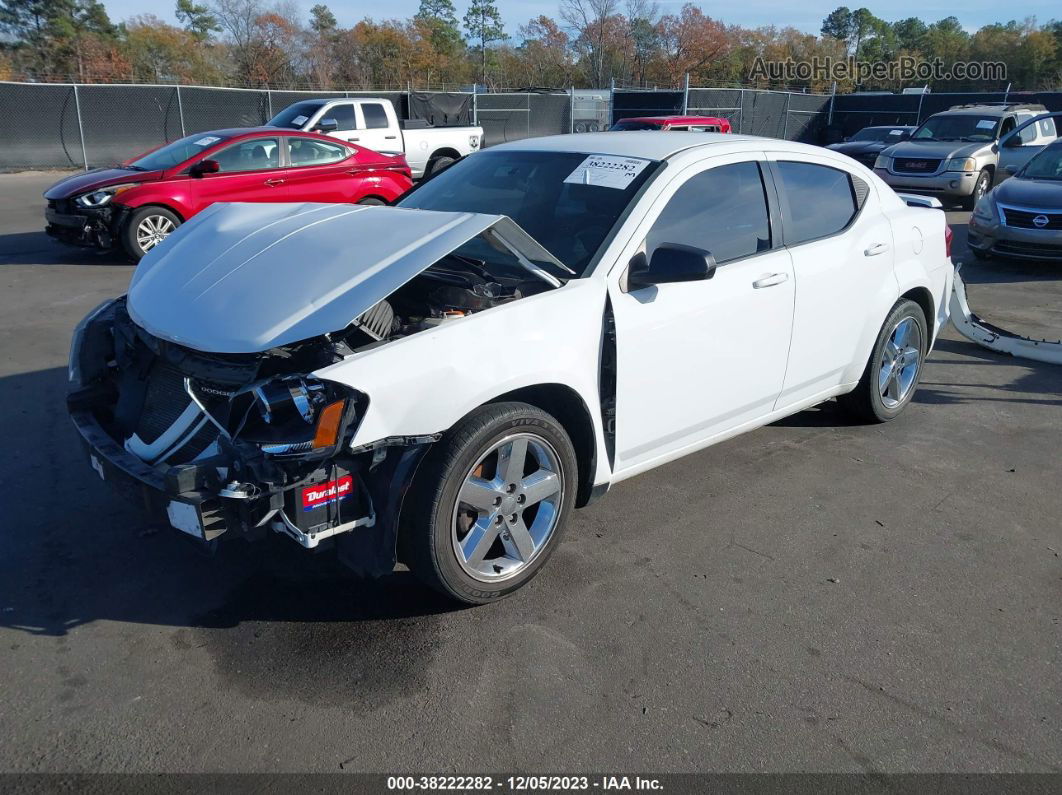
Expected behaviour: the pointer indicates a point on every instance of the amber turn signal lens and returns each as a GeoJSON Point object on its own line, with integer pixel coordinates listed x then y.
{"type": "Point", "coordinates": [328, 424]}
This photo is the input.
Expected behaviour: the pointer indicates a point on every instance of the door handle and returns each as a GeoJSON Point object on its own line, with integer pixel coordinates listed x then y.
{"type": "Point", "coordinates": [770, 280]}
{"type": "Point", "coordinates": [352, 140]}
{"type": "Point", "coordinates": [274, 182]}
{"type": "Point", "coordinates": [877, 248]}
{"type": "Point", "coordinates": [390, 137]}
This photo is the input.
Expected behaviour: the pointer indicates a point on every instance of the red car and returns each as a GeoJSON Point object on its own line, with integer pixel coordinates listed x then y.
{"type": "Point", "coordinates": [674, 124]}
{"type": "Point", "coordinates": [136, 204]}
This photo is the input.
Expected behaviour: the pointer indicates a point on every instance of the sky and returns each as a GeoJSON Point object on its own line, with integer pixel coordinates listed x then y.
{"type": "Point", "coordinates": [748, 13]}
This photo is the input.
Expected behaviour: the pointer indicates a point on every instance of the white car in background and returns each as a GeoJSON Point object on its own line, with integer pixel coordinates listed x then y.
{"type": "Point", "coordinates": [442, 382]}
{"type": "Point", "coordinates": [372, 123]}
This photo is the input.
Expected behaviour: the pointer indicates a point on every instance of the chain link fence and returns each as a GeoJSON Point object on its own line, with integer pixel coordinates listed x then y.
{"type": "Point", "coordinates": [84, 126]}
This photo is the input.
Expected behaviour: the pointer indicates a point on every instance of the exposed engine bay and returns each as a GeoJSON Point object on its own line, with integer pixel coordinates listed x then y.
{"type": "Point", "coordinates": [453, 288]}
{"type": "Point", "coordinates": [246, 443]}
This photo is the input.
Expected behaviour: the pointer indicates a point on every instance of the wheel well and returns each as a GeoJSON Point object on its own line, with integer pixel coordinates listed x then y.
{"type": "Point", "coordinates": [568, 407]}
{"type": "Point", "coordinates": [922, 297]}
{"type": "Point", "coordinates": [149, 205]}
{"type": "Point", "coordinates": [445, 153]}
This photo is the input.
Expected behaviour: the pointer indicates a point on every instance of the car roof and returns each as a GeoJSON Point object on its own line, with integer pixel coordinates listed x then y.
{"type": "Point", "coordinates": [889, 127]}
{"type": "Point", "coordinates": [641, 143]}
{"type": "Point", "coordinates": [257, 132]}
{"type": "Point", "coordinates": [670, 119]}
{"type": "Point", "coordinates": [656, 144]}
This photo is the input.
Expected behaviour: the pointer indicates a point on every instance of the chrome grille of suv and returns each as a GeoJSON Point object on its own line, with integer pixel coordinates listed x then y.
{"type": "Point", "coordinates": [913, 165]}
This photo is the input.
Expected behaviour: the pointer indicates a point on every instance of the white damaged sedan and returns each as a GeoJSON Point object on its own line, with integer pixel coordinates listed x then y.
{"type": "Point", "coordinates": [442, 382]}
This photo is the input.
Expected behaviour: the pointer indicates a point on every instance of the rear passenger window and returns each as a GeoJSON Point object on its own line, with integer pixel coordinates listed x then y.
{"type": "Point", "coordinates": [821, 200]}
{"type": "Point", "coordinates": [722, 210]}
{"type": "Point", "coordinates": [375, 115]}
{"type": "Point", "coordinates": [1047, 128]}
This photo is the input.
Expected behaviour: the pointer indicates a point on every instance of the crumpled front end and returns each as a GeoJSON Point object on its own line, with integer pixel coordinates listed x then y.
{"type": "Point", "coordinates": [225, 446]}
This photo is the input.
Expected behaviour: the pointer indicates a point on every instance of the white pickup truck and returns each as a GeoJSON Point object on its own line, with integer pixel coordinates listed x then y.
{"type": "Point", "coordinates": [373, 124]}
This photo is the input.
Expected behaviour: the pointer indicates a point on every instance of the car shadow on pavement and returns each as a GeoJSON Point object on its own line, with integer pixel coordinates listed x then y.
{"type": "Point", "coordinates": [1036, 378]}
{"type": "Point", "coordinates": [73, 553]}
{"type": "Point", "coordinates": [37, 248]}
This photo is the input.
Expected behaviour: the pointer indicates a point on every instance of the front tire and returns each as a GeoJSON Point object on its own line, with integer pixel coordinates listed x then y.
{"type": "Point", "coordinates": [490, 502]}
{"type": "Point", "coordinates": [984, 181]}
{"type": "Point", "coordinates": [146, 228]}
{"type": "Point", "coordinates": [895, 366]}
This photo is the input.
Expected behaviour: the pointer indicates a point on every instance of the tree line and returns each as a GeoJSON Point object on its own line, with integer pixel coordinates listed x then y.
{"type": "Point", "coordinates": [590, 43]}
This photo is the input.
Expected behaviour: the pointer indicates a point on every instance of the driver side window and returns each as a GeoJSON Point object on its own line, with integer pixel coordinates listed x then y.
{"type": "Point", "coordinates": [722, 210]}
{"type": "Point", "coordinates": [253, 155]}
{"type": "Point", "coordinates": [1008, 126]}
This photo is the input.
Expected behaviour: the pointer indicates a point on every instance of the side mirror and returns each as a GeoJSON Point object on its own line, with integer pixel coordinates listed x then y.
{"type": "Point", "coordinates": [1011, 169]}
{"type": "Point", "coordinates": [204, 167]}
{"type": "Point", "coordinates": [327, 126]}
{"type": "Point", "coordinates": [671, 262]}
{"type": "Point", "coordinates": [904, 136]}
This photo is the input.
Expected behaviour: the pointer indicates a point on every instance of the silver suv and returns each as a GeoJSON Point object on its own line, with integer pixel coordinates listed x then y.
{"type": "Point", "coordinates": [955, 154]}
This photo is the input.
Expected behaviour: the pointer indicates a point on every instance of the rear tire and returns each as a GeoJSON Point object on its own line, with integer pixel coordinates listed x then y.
{"type": "Point", "coordinates": [437, 164]}
{"type": "Point", "coordinates": [984, 182]}
{"type": "Point", "coordinates": [489, 503]}
{"type": "Point", "coordinates": [892, 373]}
{"type": "Point", "coordinates": [146, 228]}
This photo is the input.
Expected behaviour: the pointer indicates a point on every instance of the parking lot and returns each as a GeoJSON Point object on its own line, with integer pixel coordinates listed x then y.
{"type": "Point", "coordinates": [813, 596]}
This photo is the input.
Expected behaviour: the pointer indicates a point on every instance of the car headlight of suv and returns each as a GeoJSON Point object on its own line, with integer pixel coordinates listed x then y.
{"type": "Point", "coordinates": [961, 164]}
{"type": "Point", "coordinates": [300, 416]}
{"type": "Point", "coordinates": [103, 196]}
{"type": "Point", "coordinates": [882, 161]}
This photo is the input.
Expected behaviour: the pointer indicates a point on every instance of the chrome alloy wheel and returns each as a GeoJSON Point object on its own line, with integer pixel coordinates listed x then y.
{"type": "Point", "coordinates": [152, 230]}
{"type": "Point", "coordinates": [900, 360]}
{"type": "Point", "coordinates": [507, 508]}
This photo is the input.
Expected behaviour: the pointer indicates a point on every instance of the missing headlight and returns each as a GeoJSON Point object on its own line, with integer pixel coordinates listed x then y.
{"type": "Point", "coordinates": [284, 399]}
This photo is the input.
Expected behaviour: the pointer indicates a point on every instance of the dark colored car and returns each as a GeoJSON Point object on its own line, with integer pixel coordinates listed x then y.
{"type": "Point", "coordinates": [1022, 217]}
{"type": "Point", "coordinates": [868, 143]}
{"type": "Point", "coordinates": [673, 124]}
{"type": "Point", "coordinates": [136, 204]}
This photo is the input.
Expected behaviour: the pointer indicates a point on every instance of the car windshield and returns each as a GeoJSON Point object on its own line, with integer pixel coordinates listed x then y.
{"type": "Point", "coordinates": [176, 153]}
{"type": "Point", "coordinates": [627, 126]}
{"type": "Point", "coordinates": [295, 116]}
{"type": "Point", "coordinates": [877, 134]}
{"type": "Point", "coordinates": [958, 127]}
{"type": "Point", "coordinates": [551, 195]}
{"type": "Point", "coordinates": [1046, 165]}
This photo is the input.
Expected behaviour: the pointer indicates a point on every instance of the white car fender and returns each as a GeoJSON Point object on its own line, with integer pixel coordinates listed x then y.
{"type": "Point", "coordinates": [423, 384]}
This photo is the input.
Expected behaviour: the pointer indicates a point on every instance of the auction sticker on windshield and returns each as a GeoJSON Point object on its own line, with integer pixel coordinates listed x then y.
{"type": "Point", "coordinates": [207, 140]}
{"type": "Point", "coordinates": [607, 172]}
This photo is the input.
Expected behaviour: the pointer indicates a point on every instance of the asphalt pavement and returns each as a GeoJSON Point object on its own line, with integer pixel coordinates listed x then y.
{"type": "Point", "coordinates": [813, 596]}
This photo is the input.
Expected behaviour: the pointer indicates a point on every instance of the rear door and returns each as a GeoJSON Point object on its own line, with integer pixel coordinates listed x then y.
{"type": "Point", "coordinates": [842, 249]}
{"type": "Point", "coordinates": [250, 172]}
{"type": "Point", "coordinates": [318, 171]}
{"type": "Point", "coordinates": [378, 127]}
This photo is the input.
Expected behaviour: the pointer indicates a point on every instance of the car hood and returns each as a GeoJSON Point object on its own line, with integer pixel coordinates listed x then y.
{"type": "Point", "coordinates": [1035, 194]}
{"type": "Point", "coordinates": [857, 147]}
{"type": "Point", "coordinates": [936, 149]}
{"type": "Point", "coordinates": [244, 278]}
{"type": "Point", "coordinates": [95, 179]}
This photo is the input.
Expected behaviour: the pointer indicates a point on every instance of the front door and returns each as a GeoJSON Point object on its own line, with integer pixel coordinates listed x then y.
{"type": "Point", "coordinates": [250, 172]}
{"type": "Point", "coordinates": [698, 359]}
